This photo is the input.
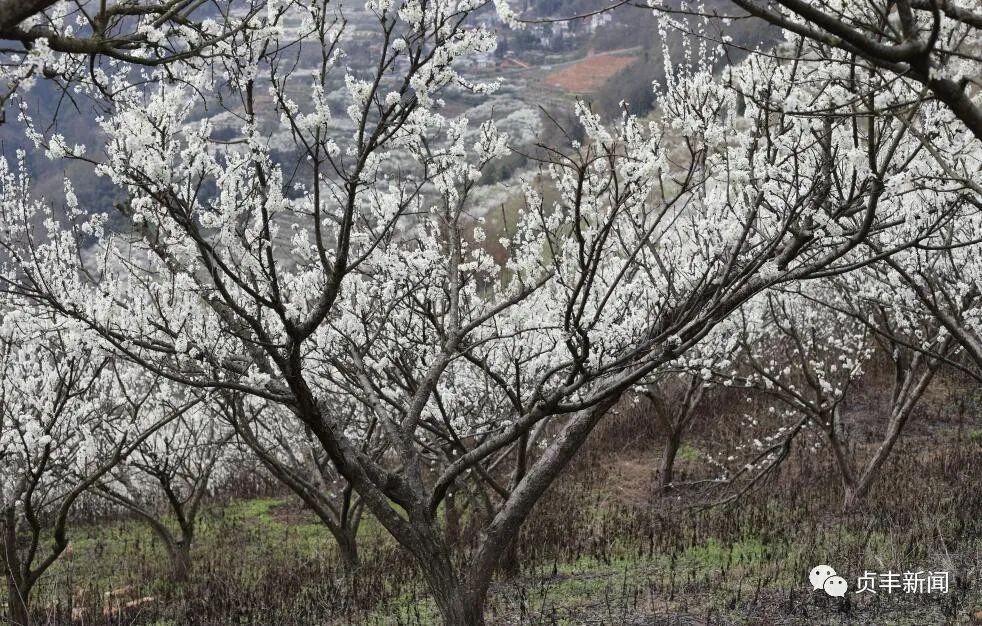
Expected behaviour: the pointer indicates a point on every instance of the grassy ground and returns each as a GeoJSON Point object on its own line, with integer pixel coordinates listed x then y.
{"type": "Point", "coordinates": [602, 548]}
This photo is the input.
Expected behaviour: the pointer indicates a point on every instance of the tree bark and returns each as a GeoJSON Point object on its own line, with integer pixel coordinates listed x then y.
{"type": "Point", "coordinates": [451, 519]}
{"type": "Point", "coordinates": [909, 393]}
{"type": "Point", "coordinates": [179, 550]}
{"type": "Point", "coordinates": [180, 555]}
{"type": "Point", "coordinates": [18, 601]}
{"type": "Point", "coordinates": [459, 600]}
{"type": "Point", "coordinates": [510, 564]}
{"type": "Point", "coordinates": [18, 589]}
{"type": "Point", "coordinates": [462, 602]}
{"type": "Point", "coordinates": [13, 12]}
{"type": "Point", "coordinates": [348, 550]}
{"type": "Point", "coordinates": [856, 492]}
{"type": "Point", "coordinates": [666, 471]}
{"type": "Point", "coordinates": [674, 424]}
{"type": "Point", "coordinates": [458, 605]}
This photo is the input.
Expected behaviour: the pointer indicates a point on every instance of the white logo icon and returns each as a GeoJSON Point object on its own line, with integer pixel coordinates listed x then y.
{"type": "Point", "coordinates": [819, 574]}
{"type": "Point", "coordinates": [835, 586]}
{"type": "Point", "coordinates": [824, 577]}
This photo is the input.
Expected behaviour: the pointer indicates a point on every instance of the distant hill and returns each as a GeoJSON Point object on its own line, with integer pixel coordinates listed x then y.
{"type": "Point", "coordinates": [625, 27]}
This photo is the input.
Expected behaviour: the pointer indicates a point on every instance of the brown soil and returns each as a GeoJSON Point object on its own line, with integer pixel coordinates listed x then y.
{"type": "Point", "coordinates": [589, 74]}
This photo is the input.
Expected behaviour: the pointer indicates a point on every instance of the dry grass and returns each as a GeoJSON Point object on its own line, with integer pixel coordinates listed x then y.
{"type": "Point", "coordinates": [601, 548]}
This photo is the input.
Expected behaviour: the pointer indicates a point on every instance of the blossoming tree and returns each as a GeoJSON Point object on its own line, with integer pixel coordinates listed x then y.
{"type": "Point", "coordinates": [67, 42]}
{"type": "Point", "coordinates": [810, 347]}
{"type": "Point", "coordinates": [932, 44]}
{"type": "Point", "coordinates": [63, 427]}
{"type": "Point", "coordinates": [169, 474]}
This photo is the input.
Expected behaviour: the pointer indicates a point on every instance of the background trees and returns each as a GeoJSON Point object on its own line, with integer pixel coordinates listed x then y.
{"type": "Point", "coordinates": [72, 42]}
{"type": "Point", "coordinates": [66, 422]}
{"type": "Point", "coordinates": [171, 471]}
{"type": "Point", "coordinates": [812, 347]}
{"type": "Point", "coordinates": [928, 42]}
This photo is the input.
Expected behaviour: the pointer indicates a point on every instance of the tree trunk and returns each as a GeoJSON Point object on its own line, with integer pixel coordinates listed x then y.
{"type": "Point", "coordinates": [510, 564]}
{"type": "Point", "coordinates": [667, 469]}
{"type": "Point", "coordinates": [458, 606]}
{"type": "Point", "coordinates": [459, 596]}
{"type": "Point", "coordinates": [180, 555]}
{"type": "Point", "coordinates": [852, 496]}
{"type": "Point", "coordinates": [18, 589]}
{"type": "Point", "coordinates": [905, 400]}
{"type": "Point", "coordinates": [462, 604]}
{"type": "Point", "coordinates": [856, 492]}
{"type": "Point", "coordinates": [451, 519]}
{"type": "Point", "coordinates": [18, 602]}
{"type": "Point", "coordinates": [348, 550]}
